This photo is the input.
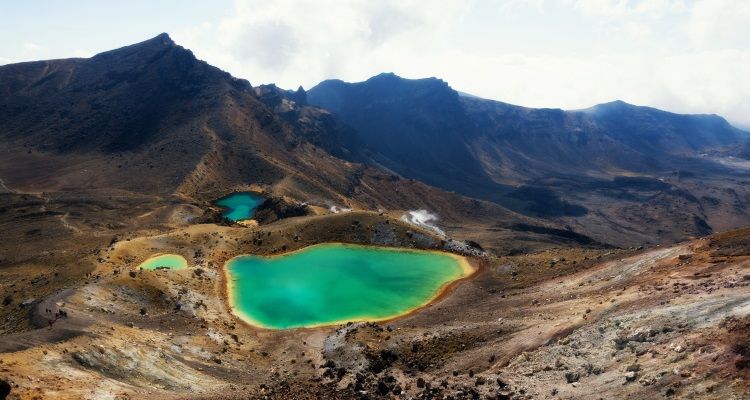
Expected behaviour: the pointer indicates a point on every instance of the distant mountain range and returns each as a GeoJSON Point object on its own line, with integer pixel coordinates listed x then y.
{"type": "Point", "coordinates": [151, 118]}
{"type": "Point", "coordinates": [424, 129]}
{"type": "Point", "coordinates": [611, 170]}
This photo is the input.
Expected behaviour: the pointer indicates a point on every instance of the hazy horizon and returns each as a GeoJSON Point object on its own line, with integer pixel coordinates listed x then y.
{"type": "Point", "coordinates": [681, 56]}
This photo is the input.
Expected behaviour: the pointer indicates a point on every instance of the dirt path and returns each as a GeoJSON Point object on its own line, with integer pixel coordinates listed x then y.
{"type": "Point", "coordinates": [4, 186]}
{"type": "Point", "coordinates": [66, 224]}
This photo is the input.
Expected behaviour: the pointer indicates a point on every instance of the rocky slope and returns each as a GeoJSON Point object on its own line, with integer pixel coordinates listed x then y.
{"type": "Point", "coordinates": [157, 120]}
{"type": "Point", "coordinates": [562, 324]}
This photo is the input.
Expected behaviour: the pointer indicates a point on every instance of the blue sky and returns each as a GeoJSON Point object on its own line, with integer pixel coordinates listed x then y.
{"type": "Point", "coordinates": [681, 55]}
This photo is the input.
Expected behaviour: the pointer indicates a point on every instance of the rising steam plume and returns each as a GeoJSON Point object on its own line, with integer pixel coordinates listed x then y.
{"type": "Point", "coordinates": [424, 219]}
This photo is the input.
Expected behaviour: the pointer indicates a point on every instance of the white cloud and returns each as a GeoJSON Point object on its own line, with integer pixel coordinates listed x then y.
{"type": "Point", "coordinates": [724, 23]}
{"type": "Point", "coordinates": [32, 48]}
{"type": "Point", "coordinates": [620, 9]}
{"type": "Point", "coordinates": [82, 53]}
{"type": "Point", "coordinates": [635, 19]}
{"type": "Point", "coordinates": [510, 5]}
{"type": "Point", "coordinates": [686, 56]}
{"type": "Point", "coordinates": [706, 82]}
{"type": "Point", "coordinates": [287, 41]}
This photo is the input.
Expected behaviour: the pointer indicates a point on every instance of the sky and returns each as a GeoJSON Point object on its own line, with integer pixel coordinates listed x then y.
{"type": "Point", "coordinates": [688, 56]}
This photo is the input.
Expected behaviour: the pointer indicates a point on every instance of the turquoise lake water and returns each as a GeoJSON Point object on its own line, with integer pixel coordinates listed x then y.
{"type": "Point", "coordinates": [168, 261]}
{"type": "Point", "coordinates": [337, 283]}
{"type": "Point", "coordinates": [239, 206]}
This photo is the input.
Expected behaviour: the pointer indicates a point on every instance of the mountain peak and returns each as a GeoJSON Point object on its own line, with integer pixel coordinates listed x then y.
{"type": "Point", "coordinates": [390, 77]}
{"type": "Point", "coordinates": [614, 104]}
{"type": "Point", "coordinates": [158, 43]}
{"type": "Point", "coordinates": [163, 37]}
{"type": "Point", "coordinates": [385, 76]}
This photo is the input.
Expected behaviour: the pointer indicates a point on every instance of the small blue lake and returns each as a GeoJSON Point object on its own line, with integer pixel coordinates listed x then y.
{"type": "Point", "coordinates": [239, 206]}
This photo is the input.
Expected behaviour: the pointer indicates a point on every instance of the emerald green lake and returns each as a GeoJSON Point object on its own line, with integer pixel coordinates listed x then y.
{"type": "Point", "coordinates": [336, 283]}
{"type": "Point", "coordinates": [239, 206]}
{"type": "Point", "coordinates": [165, 261]}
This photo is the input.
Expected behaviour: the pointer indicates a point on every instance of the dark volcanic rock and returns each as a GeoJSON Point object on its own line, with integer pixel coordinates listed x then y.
{"type": "Point", "coordinates": [276, 208]}
{"type": "Point", "coordinates": [4, 389]}
{"type": "Point", "coordinates": [211, 216]}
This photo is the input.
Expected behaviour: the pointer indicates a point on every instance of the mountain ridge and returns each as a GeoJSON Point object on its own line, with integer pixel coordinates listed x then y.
{"type": "Point", "coordinates": [616, 102]}
{"type": "Point", "coordinates": [545, 162]}
{"type": "Point", "coordinates": [341, 97]}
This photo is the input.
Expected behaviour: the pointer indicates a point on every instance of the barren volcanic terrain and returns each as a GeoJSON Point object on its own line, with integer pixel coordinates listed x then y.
{"type": "Point", "coordinates": [608, 282]}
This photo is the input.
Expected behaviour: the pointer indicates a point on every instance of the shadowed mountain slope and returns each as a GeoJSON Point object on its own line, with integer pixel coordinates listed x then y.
{"type": "Point", "coordinates": [150, 105]}
{"type": "Point", "coordinates": [416, 128]}
{"type": "Point", "coordinates": [153, 105]}
{"type": "Point", "coordinates": [425, 129]}
{"type": "Point", "coordinates": [549, 162]}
